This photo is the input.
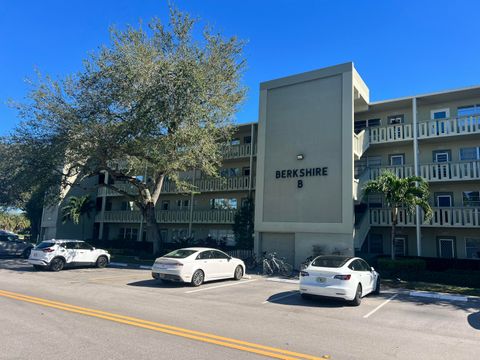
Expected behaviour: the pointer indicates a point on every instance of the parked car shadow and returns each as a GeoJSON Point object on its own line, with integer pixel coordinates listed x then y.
{"type": "Point", "coordinates": [474, 320]}
{"type": "Point", "coordinates": [293, 298]}
{"type": "Point", "coordinates": [158, 284]}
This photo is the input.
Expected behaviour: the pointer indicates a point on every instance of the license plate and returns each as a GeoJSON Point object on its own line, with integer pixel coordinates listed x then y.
{"type": "Point", "coordinates": [321, 279]}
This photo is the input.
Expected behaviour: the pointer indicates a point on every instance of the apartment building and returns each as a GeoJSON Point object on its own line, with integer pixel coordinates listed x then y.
{"type": "Point", "coordinates": [318, 140]}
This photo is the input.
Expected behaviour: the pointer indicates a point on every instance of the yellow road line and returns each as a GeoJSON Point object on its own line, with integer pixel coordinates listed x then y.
{"type": "Point", "coordinates": [191, 334]}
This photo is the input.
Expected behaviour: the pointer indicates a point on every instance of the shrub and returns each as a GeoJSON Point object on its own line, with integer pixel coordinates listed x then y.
{"type": "Point", "coordinates": [406, 268]}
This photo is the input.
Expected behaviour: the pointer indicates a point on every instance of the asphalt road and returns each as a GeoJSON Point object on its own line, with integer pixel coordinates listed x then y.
{"type": "Point", "coordinates": [124, 314]}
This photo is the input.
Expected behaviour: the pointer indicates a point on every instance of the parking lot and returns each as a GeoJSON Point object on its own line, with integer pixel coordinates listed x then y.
{"type": "Point", "coordinates": [255, 310]}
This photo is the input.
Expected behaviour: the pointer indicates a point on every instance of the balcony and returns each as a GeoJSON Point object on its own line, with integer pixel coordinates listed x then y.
{"type": "Point", "coordinates": [444, 217]}
{"type": "Point", "coordinates": [435, 172]}
{"type": "Point", "coordinates": [221, 184]}
{"type": "Point", "coordinates": [171, 216]}
{"type": "Point", "coordinates": [449, 127]}
{"type": "Point", "coordinates": [239, 151]}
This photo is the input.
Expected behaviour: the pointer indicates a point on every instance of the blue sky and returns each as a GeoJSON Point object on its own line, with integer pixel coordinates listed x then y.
{"type": "Point", "coordinates": [399, 47]}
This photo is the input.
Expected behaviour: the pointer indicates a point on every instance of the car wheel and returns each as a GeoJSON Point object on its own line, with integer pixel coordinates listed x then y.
{"type": "Point", "coordinates": [26, 253]}
{"type": "Point", "coordinates": [102, 261]}
{"type": "Point", "coordinates": [238, 274]}
{"type": "Point", "coordinates": [358, 296]}
{"type": "Point", "coordinates": [197, 278]}
{"type": "Point", "coordinates": [37, 267]}
{"type": "Point", "coordinates": [377, 286]}
{"type": "Point", "coordinates": [57, 264]}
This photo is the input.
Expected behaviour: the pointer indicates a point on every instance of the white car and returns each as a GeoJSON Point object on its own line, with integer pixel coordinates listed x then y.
{"type": "Point", "coordinates": [348, 278]}
{"type": "Point", "coordinates": [56, 254]}
{"type": "Point", "coordinates": [197, 265]}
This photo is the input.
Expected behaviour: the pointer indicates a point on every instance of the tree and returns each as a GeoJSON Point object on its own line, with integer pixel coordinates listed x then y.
{"type": "Point", "coordinates": [14, 222]}
{"type": "Point", "coordinates": [243, 226]}
{"type": "Point", "coordinates": [406, 193]}
{"type": "Point", "coordinates": [155, 99]}
{"type": "Point", "coordinates": [76, 209]}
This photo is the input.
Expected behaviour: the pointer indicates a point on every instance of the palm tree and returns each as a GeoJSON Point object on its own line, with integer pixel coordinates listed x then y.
{"type": "Point", "coordinates": [76, 209]}
{"type": "Point", "coordinates": [406, 193]}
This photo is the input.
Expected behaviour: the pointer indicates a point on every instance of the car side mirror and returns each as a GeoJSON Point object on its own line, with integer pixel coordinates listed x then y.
{"type": "Point", "coordinates": [92, 249]}
{"type": "Point", "coordinates": [372, 269]}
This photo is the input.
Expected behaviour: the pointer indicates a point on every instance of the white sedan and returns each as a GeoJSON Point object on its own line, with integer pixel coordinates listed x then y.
{"type": "Point", "coordinates": [197, 265]}
{"type": "Point", "coordinates": [348, 278]}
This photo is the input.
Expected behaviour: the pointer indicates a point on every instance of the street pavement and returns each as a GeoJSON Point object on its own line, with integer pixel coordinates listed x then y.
{"type": "Point", "coordinates": [120, 313]}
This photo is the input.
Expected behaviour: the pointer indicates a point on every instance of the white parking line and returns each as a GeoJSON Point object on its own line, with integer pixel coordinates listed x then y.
{"type": "Point", "coordinates": [380, 306]}
{"type": "Point", "coordinates": [219, 286]}
{"type": "Point", "coordinates": [280, 297]}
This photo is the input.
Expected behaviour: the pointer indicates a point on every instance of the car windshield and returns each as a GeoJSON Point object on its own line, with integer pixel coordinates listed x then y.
{"type": "Point", "coordinates": [180, 254]}
{"type": "Point", "coordinates": [330, 261]}
{"type": "Point", "coordinates": [44, 245]}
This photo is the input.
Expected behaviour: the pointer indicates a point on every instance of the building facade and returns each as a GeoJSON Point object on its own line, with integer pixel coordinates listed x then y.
{"type": "Point", "coordinates": [317, 142]}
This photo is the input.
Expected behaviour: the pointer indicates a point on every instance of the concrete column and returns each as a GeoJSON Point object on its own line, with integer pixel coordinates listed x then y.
{"type": "Point", "coordinates": [102, 210]}
{"type": "Point", "coordinates": [416, 173]}
{"type": "Point", "coordinates": [252, 144]}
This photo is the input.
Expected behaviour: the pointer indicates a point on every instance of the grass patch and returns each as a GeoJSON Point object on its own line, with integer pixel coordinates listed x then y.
{"type": "Point", "coordinates": [424, 286]}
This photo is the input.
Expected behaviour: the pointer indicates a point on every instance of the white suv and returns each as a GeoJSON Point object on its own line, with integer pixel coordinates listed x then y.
{"type": "Point", "coordinates": [55, 254]}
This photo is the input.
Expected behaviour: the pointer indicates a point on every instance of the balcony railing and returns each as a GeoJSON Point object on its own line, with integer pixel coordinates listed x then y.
{"type": "Point", "coordinates": [448, 127]}
{"type": "Point", "coordinates": [171, 216]}
{"type": "Point", "coordinates": [448, 171]}
{"type": "Point", "coordinates": [445, 217]}
{"type": "Point", "coordinates": [383, 134]}
{"type": "Point", "coordinates": [239, 151]}
{"type": "Point", "coordinates": [426, 129]}
{"type": "Point", "coordinates": [236, 183]}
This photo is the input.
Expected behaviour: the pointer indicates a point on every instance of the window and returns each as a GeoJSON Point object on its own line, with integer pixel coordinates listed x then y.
{"type": "Point", "coordinates": [440, 114]}
{"type": "Point", "coordinates": [246, 171]}
{"type": "Point", "coordinates": [128, 233]}
{"type": "Point", "coordinates": [165, 204]}
{"type": "Point", "coordinates": [471, 198]}
{"type": "Point", "coordinates": [470, 153]}
{"type": "Point", "coordinates": [83, 246]}
{"type": "Point", "coordinates": [330, 261]}
{"type": "Point", "coordinates": [446, 248]}
{"type": "Point", "coordinates": [223, 204]}
{"type": "Point", "coordinates": [472, 247]}
{"type": "Point", "coordinates": [400, 246]}
{"type": "Point", "coordinates": [224, 235]}
{"type": "Point", "coordinates": [247, 139]}
{"type": "Point", "coordinates": [180, 254]}
{"type": "Point", "coordinates": [70, 245]}
{"type": "Point", "coordinates": [183, 203]}
{"type": "Point", "coordinates": [235, 141]}
{"type": "Point", "coordinates": [397, 159]}
{"type": "Point", "coordinates": [230, 172]}
{"type": "Point", "coordinates": [396, 119]}
{"type": "Point", "coordinates": [444, 200]}
{"type": "Point", "coordinates": [440, 156]}
{"type": "Point", "coordinates": [219, 255]}
{"type": "Point", "coordinates": [108, 205]}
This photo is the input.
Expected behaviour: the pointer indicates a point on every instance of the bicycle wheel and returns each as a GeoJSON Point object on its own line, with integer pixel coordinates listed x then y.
{"type": "Point", "coordinates": [286, 269]}
{"type": "Point", "coordinates": [250, 263]}
{"type": "Point", "coordinates": [267, 269]}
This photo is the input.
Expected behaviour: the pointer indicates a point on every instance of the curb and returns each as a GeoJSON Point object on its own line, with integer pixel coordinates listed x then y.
{"type": "Point", "coordinates": [133, 266]}
{"type": "Point", "coordinates": [440, 296]}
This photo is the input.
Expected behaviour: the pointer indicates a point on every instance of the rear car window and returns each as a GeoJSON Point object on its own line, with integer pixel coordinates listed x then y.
{"type": "Point", "coordinates": [180, 254]}
{"type": "Point", "coordinates": [44, 245]}
{"type": "Point", "coordinates": [330, 261]}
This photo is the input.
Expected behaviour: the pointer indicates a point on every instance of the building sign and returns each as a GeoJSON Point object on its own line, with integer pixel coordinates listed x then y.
{"type": "Point", "coordinates": [300, 173]}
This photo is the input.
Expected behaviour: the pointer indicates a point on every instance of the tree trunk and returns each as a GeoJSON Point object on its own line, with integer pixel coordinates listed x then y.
{"type": "Point", "coordinates": [154, 233]}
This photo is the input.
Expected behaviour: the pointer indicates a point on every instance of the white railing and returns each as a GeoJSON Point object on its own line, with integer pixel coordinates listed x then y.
{"type": "Point", "coordinates": [360, 231]}
{"type": "Point", "coordinates": [237, 183]}
{"type": "Point", "coordinates": [448, 127]}
{"type": "Point", "coordinates": [171, 216]}
{"type": "Point", "coordinates": [400, 171]}
{"type": "Point", "coordinates": [238, 151]}
{"type": "Point", "coordinates": [468, 170]}
{"type": "Point", "coordinates": [382, 134]}
{"type": "Point", "coordinates": [448, 217]}
{"type": "Point", "coordinates": [360, 143]}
